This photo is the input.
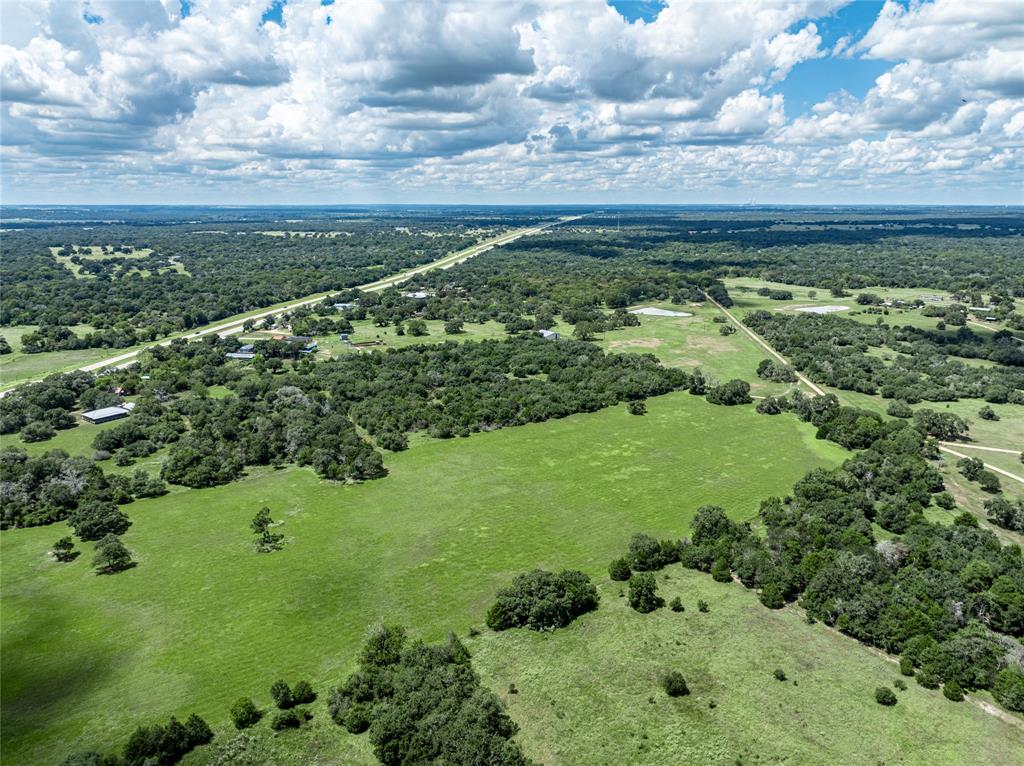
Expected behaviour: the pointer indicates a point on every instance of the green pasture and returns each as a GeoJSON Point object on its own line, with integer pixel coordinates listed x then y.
{"type": "Point", "coordinates": [203, 619]}
{"type": "Point", "coordinates": [589, 694]}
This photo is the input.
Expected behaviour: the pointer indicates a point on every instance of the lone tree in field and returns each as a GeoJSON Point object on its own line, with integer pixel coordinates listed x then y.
{"type": "Point", "coordinates": [266, 540]}
{"type": "Point", "coordinates": [674, 684]}
{"type": "Point", "coordinates": [643, 593]}
{"type": "Point", "coordinates": [637, 407]}
{"type": "Point", "coordinates": [885, 696]}
{"type": "Point", "coordinates": [64, 550]}
{"type": "Point", "coordinates": [111, 556]}
{"type": "Point", "coordinates": [453, 326]}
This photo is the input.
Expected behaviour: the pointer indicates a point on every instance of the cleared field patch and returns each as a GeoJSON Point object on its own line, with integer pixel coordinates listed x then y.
{"type": "Point", "coordinates": [18, 366]}
{"type": "Point", "coordinates": [94, 253]}
{"type": "Point", "coordinates": [695, 341]}
{"type": "Point", "coordinates": [589, 694]}
{"type": "Point", "coordinates": [203, 619]}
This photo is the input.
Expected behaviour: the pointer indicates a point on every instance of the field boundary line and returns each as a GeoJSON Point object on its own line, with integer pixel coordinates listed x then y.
{"type": "Point", "coordinates": [766, 346]}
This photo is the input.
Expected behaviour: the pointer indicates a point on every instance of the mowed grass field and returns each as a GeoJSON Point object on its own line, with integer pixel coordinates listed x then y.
{"type": "Point", "coordinates": [695, 341]}
{"type": "Point", "coordinates": [203, 619]}
{"type": "Point", "coordinates": [589, 695]}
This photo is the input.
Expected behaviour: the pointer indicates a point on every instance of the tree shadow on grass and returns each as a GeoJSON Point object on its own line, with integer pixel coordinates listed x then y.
{"type": "Point", "coordinates": [41, 677]}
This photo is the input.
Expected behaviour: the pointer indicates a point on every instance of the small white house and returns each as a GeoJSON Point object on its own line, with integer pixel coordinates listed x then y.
{"type": "Point", "coordinates": [549, 335]}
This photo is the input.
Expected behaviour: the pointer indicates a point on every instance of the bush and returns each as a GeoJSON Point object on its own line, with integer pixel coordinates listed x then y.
{"type": "Point", "coordinates": [952, 691]}
{"type": "Point", "coordinates": [637, 407]}
{"type": "Point", "coordinates": [643, 593]}
{"type": "Point", "coordinates": [281, 693]}
{"type": "Point", "coordinates": [64, 550]}
{"type": "Point", "coordinates": [286, 719]}
{"type": "Point", "coordinates": [647, 554]}
{"type": "Point", "coordinates": [945, 500]}
{"type": "Point", "coordinates": [244, 713]}
{"type": "Point", "coordinates": [720, 571]}
{"type": "Point", "coordinates": [771, 596]}
{"type": "Point", "coordinates": [543, 601]}
{"type": "Point", "coordinates": [1008, 688]}
{"type": "Point", "coordinates": [302, 693]}
{"type": "Point", "coordinates": [676, 605]}
{"type": "Point", "coordinates": [906, 666]}
{"type": "Point", "coordinates": [987, 413]}
{"type": "Point", "coordinates": [927, 679]}
{"type": "Point", "coordinates": [885, 696]}
{"type": "Point", "coordinates": [674, 684]}
{"type": "Point", "coordinates": [619, 569]}
{"type": "Point", "coordinates": [702, 606]}
{"type": "Point", "coordinates": [899, 409]}
{"type": "Point", "coordinates": [900, 684]}
{"type": "Point", "coordinates": [780, 674]}
{"type": "Point", "coordinates": [989, 482]}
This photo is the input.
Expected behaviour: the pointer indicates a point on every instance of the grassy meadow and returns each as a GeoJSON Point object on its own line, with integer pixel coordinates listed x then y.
{"type": "Point", "coordinates": [589, 694]}
{"type": "Point", "coordinates": [203, 619]}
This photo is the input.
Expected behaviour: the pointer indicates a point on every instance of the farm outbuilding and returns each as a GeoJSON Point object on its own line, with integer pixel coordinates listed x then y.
{"type": "Point", "coordinates": [106, 414]}
{"type": "Point", "coordinates": [549, 335]}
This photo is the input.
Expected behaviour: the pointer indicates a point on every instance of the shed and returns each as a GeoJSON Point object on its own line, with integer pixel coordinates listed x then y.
{"type": "Point", "coordinates": [240, 355]}
{"type": "Point", "coordinates": [106, 414]}
{"type": "Point", "coordinates": [549, 335]}
{"type": "Point", "coordinates": [248, 348]}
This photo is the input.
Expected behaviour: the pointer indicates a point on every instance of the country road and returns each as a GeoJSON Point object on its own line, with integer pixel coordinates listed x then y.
{"type": "Point", "coordinates": [944, 446]}
{"type": "Point", "coordinates": [235, 325]}
{"type": "Point", "coordinates": [766, 346]}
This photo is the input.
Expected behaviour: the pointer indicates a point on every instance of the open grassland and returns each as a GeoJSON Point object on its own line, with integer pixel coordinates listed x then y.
{"type": "Point", "coordinates": [203, 619]}
{"type": "Point", "coordinates": [695, 341]}
{"type": "Point", "coordinates": [589, 694]}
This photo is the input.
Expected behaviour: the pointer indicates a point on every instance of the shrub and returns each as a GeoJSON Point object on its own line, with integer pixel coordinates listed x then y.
{"type": "Point", "coordinates": [900, 684]}
{"type": "Point", "coordinates": [771, 596]}
{"type": "Point", "coordinates": [286, 719]}
{"type": "Point", "coordinates": [674, 684]}
{"type": "Point", "coordinates": [619, 569]}
{"type": "Point", "coordinates": [643, 593]}
{"type": "Point", "coordinates": [64, 550]}
{"type": "Point", "coordinates": [906, 666]}
{"type": "Point", "coordinates": [702, 606]}
{"type": "Point", "coordinates": [945, 500]}
{"type": "Point", "coordinates": [637, 407]}
{"type": "Point", "coordinates": [720, 571]}
{"type": "Point", "coordinates": [281, 693]}
{"type": "Point", "coordinates": [780, 674]}
{"type": "Point", "coordinates": [951, 690]}
{"type": "Point", "coordinates": [302, 693]}
{"type": "Point", "coordinates": [927, 679]}
{"type": "Point", "coordinates": [899, 409]}
{"type": "Point", "coordinates": [647, 554]}
{"type": "Point", "coordinates": [676, 605]}
{"type": "Point", "coordinates": [989, 482]}
{"type": "Point", "coordinates": [244, 713]}
{"type": "Point", "coordinates": [733, 392]}
{"type": "Point", "coordinates": [987, 413]}
{"type": "Point", "coordinates": [542, 601]}
{"type": "Point", "coordinates": [885, 696]}
{"type": "Point", "coordinates": [1008, 688]}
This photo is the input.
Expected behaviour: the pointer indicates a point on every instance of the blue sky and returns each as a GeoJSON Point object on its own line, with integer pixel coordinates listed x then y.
{"type": "Point", "coordinates": [306, 101]}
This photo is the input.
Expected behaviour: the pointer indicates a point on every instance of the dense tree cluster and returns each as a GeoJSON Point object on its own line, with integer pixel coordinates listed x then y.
{"type": "Point", "coordinates": [155, 745]}
{"type": "Point", "coordinates": [833, 351]}
{"type": "Point", "coordinates": [423, 704]}
{"type": "Point", "coordinates": [225, 273]}
{"type": "Point", "coordinates": [542, 600]}
{"type": "Point", "coordinates": [51, 487]}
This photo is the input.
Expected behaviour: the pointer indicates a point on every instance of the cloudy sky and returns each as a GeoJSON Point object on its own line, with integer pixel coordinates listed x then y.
{"type": "Point", "coordinates": [303, 101]}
